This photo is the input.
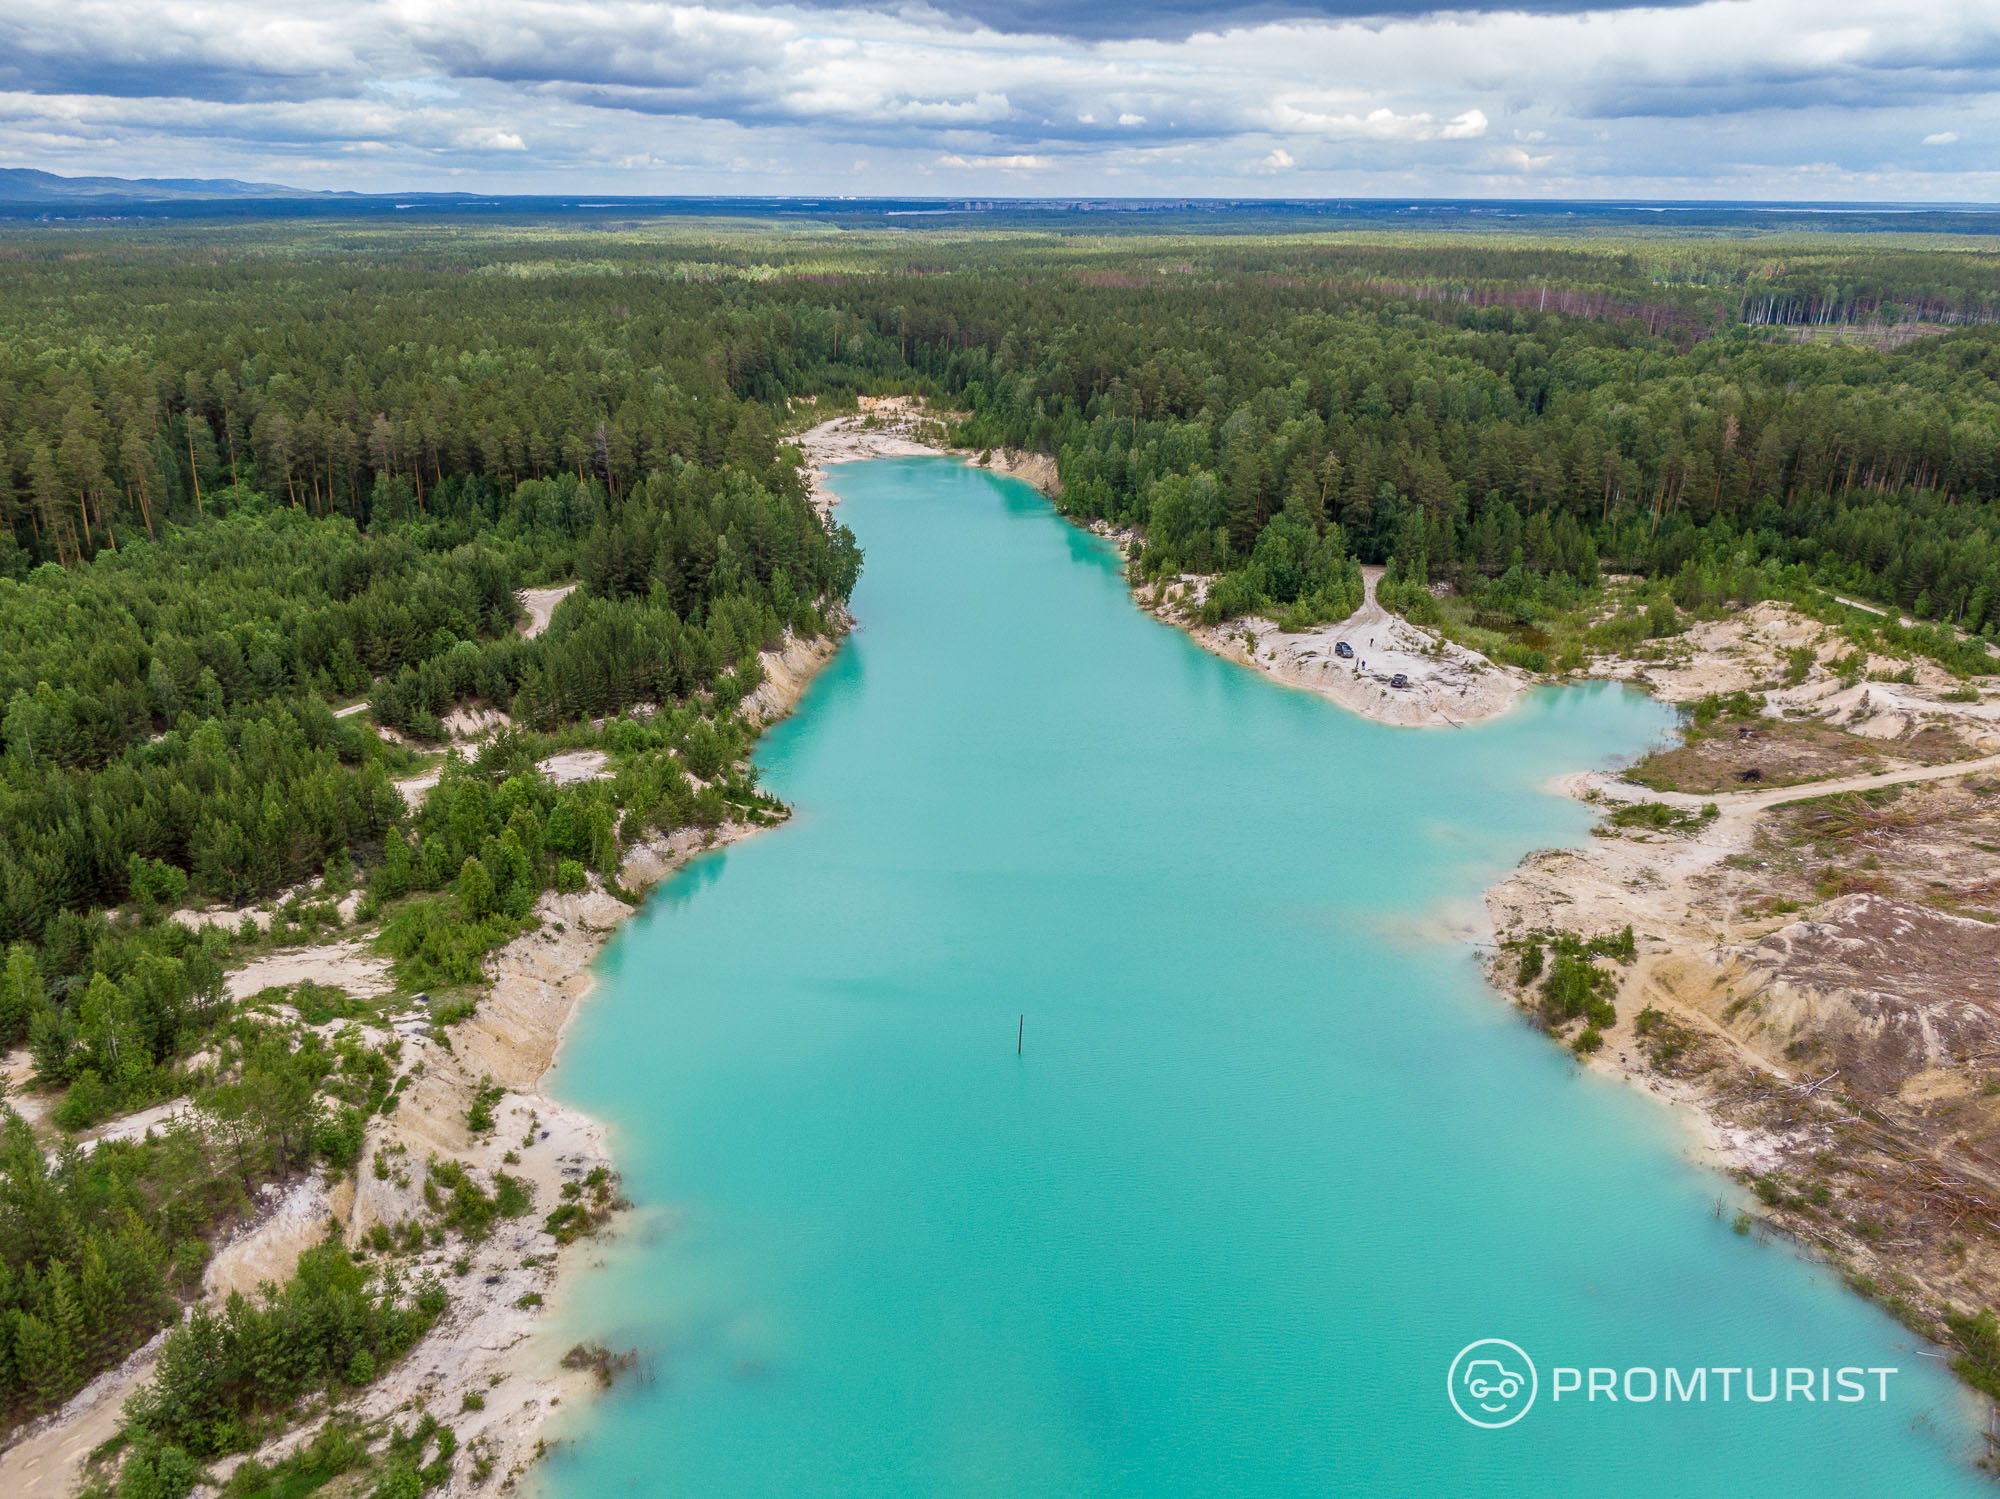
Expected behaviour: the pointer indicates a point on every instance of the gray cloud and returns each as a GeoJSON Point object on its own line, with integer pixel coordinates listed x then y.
{"type": "Point", "coordinates": [1176, 20]}
{"type": "Point", "coordinates": [1808, 97]}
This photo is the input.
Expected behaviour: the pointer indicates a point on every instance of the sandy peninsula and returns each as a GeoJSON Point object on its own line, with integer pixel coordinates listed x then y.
{"type": "Point", "coordinates": [1444, 685]}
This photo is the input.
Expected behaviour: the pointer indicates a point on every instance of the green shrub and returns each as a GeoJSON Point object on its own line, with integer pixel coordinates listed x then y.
{"type": "Point", "coordinates": [435, 948]}
{"type": "Point", "coordinates": [1661, 818]}
{"type": "Point", "coordinates": [461, 1203]}
{"type": "Point", "coordinates": [156, 885]}
{"type": "Point", "coordinates": [1978, 1364]}
{"type": "Point", "coordinates": [1531, 963]}
{"type": "Point", "coordinates": [479, 1118]}
{"type": "Point", "coordinates": [89, 1099]}
{"type": "Point", "coordinates": [219, 1373]}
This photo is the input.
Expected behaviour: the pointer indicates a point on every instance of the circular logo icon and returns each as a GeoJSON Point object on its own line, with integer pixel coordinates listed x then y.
{"type": "Point", "coordinates": [1492, 1383]}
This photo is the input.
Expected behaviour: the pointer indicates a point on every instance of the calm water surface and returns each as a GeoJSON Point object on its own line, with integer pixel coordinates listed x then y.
{"type": "Point", "coordinates": [1272, 1153]}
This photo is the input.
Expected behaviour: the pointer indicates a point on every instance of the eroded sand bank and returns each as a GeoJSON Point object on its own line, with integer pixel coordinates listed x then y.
{"type": "Point", "coordinates": [495, 1340]}
{"type": "Point", "coordinates": [1815, 985]}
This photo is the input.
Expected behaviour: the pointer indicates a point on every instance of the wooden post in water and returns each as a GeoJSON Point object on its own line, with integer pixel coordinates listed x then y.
{"type": "Point", "coordinates": [1020, 1035]}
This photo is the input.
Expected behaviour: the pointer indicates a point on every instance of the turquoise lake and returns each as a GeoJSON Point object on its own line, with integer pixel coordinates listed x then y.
{"type": "Point", "coordinates": [1272, 1152]}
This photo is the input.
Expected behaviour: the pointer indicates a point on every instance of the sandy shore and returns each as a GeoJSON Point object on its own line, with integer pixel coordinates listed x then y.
{"type": "Point", "coordinates": [488, 1343]}
{"type": "Point", "coordinates": [1691, 946]}
{"type": "Point", "coordinates": [1446, 686]}
{"type": "Point", "coordinates": [1819, 981]}
{"type": "Point", "coordinates": [885, 429]}
{"type": "Point", "coordinates": [902, 427]}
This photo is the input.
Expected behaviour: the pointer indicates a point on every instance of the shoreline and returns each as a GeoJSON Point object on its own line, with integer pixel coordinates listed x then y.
{"type": "Point", "coordinates": [1603, 884]}
{"type": "Point", "coordinates": [1448, 686]}
{"type": "Point", "coordinates": [898, 427]}
{"type": "Point", "coordinates": [1689, 965]}
{"type": "Point", "coordinates": [1636, 880]}
{"type": "Point", "coordinates": [487, 1343]}
{"type": "Point", "coordinates": [1811, 1016]}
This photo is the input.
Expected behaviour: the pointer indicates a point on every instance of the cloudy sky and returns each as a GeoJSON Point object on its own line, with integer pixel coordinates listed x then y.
{"type": "Point", "coordinates": [1804, 99]}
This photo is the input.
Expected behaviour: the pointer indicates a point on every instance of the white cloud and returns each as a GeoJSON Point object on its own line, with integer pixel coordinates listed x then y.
{"type": "Point", "coordinates": [998, 163]}
{"type": "Point", "coordinates": [486, 138]}
{"type": "Point", "coordinates": [1468, 126]}
{"type": "Point", "coordinates": [1293, 116]}
{"type": "Point", "coordinates": [537, 93]}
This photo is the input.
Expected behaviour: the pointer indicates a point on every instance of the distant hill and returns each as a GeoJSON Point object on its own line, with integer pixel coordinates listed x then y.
{"type": "Point", "coordinates": [25, 185]}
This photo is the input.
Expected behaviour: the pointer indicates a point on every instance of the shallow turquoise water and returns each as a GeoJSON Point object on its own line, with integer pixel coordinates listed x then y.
{"type": "Point", "coordinates": [1272, 1153]}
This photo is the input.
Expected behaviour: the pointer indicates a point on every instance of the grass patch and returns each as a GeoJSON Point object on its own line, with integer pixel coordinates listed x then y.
{"type": "Point", "coordinates": [1658, 817]}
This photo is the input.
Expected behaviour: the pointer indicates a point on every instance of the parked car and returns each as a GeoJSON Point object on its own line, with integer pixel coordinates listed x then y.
{"type": "Point", "coordinates": [1399, 680]}
{"type": "Point", "coordinates": [1344, 651]}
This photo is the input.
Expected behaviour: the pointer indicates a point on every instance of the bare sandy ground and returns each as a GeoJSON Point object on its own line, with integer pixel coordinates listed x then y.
{"type": "Point", "coordinates": [1743, 651]}
{"type": "Point", "coordinates": [415, 788]}
{"type": "Point", "coordinates": [47, 1456]}
{"type": "Point", "coordinates": [17, 1070]}
{"type": "Point", "coordinates": [352, 965]}
{"type": "Point", "coordinates": [1446, 685]}
{"type": "Point", "coordinates": [786, 673]}
{"type": "Point", "coordinates": [541, 606]}
{"type": "Point", "coordinates": [472, 722]}
{"type": "Point", "coordinates": [1038, 469]}
{"type": "Point", "coordinates": [259, 915]}
{"type": "Point", "coordinates": [291, 1218]}
{"type": "Point", "coordinates": [1697, 937]}
{"type": "Point", "coordinates": [1659, 887]}
{"type": "Point", "coordinates": [887, 428]}
{"type": "Point", "coordinates": [572, 766]}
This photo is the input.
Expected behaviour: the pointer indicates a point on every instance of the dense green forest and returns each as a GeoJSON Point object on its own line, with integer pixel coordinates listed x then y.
{"type": "Point", "coordinates": [247, 472]}
{"type": "Point", "coordinates": [253, 475]}
{"type": "Point", "coordinates": [1450, 400]}
{"type": "Point", "coordinates": [170, 656]}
